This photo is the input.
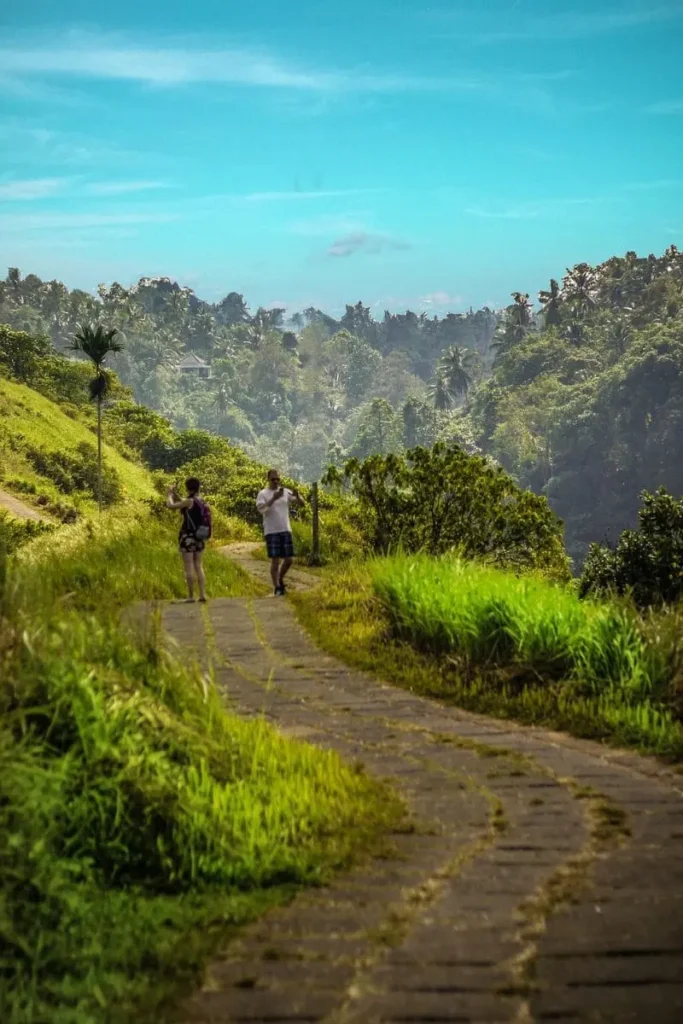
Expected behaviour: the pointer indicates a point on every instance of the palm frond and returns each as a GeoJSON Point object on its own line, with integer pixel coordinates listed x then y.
{"type": "Point", "coordinates": [96, 343]}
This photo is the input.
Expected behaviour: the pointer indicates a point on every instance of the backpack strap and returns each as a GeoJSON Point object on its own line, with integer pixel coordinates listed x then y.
{"type": "Point", "coordinates": [189, 522]}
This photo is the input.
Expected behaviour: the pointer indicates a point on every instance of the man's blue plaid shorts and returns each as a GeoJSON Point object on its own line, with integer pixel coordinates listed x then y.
{"type": "Point", "coordinates": [280, 545]}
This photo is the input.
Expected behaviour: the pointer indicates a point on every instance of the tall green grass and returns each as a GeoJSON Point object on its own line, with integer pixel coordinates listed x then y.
{"type": "Point", "coordinates": [139, 820]}
{"type": "Point", "coordinates": [106, 564]}
{"type": "Point", "coordinates": [484, 616]}
{"type": "Point", "coordinates": [513, 648]}
{"type": "Point", "coordinates": [527, 634]}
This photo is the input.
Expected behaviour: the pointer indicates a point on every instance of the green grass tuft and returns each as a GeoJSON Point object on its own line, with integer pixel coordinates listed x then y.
{"type": "Point", "coordinates": [508, 646]}
{"type": "Point", "coordinates": [115, 561]}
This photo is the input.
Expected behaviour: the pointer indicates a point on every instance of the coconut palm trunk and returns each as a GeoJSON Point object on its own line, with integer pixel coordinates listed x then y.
{"type": "Point", "coordinates": [99, 454]}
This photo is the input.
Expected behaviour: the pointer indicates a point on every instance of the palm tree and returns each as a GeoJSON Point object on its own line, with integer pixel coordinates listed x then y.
{"type": "Point", "coordinates": [514, 327]}
{"type": "Point", "coordinates": [455, 367]}
{"type": "Point", "coordinates": [440, 393]}
{"type": "Point", "coordinates": [520, 315]}
{"type": "Point", "coordinates": [222, 402]}
{"type": "Point", "coordinates": [550, 301]}
{"type": "Point", "coordinates": [97, 344]}
{"type": "Point", "coordinates": [620, 336]}
{"type": "Point", "coordinates": [579, 287]}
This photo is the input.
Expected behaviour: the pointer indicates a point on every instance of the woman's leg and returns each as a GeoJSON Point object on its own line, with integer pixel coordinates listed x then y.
{"type": "Point", "coordinates": [199, 573]}
{"type": "Point", "coordinates": [188, 565]}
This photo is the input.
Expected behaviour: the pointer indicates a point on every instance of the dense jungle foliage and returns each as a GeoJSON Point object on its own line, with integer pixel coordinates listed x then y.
{"type": "Point", "coordinates": [580, 400]}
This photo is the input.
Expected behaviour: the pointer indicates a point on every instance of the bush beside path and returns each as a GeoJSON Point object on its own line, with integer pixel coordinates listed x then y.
{"type": "Point", "coordinates": [539, 876]}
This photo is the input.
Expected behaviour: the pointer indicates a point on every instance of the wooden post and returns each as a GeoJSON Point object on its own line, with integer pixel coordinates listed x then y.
{"type": "Point", "coordinates": [315, 546]}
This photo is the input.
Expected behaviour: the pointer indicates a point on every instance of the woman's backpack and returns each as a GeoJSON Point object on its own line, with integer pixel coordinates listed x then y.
{"type": "Point", "coordinates": [198, 519]}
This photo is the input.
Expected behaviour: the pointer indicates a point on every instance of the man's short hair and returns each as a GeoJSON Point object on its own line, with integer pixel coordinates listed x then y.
{"type": "Point", "coordinates": [271, 471]}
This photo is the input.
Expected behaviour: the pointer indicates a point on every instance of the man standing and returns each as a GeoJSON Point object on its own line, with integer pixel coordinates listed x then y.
{"type": "Point", "coordinates": [273, 503]}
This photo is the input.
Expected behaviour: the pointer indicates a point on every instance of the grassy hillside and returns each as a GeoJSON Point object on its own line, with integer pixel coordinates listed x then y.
{"type": "Point", "coordinates": [42, 442]}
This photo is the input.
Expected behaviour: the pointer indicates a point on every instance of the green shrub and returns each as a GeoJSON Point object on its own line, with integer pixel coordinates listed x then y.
{"type": "Point", "coordinates": [16, 532]}
{"type": "Point", "coordinates": [135, 427]}
{"type": "Point", "coordinates": [75, 471]}
{"type": "Point", "coordinates": [444, 499]}
{"type": "Point", "coordinates": [170, 451]}
{"type": "Point", "coordinates": [340, 539]}
{"type": "Point", "coordinates": [647, 563]}
{"type": "Point", "coordinates": [21, 486]}
{"type": "Point", "coordinates": [230, 482]}
{"type": "Point", "coordinates": [21, 354]}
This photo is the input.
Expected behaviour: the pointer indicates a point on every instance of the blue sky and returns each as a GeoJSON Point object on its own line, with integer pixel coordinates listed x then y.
{"type": "Point", "coordinates": [432, 155]}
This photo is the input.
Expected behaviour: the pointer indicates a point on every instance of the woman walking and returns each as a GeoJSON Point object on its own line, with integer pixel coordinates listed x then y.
{"type": "Point", "coordinates": [195, 529]}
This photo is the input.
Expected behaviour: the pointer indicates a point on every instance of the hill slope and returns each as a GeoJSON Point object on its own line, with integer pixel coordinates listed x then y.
{"type": "Point", "coordinates": [49, 457]}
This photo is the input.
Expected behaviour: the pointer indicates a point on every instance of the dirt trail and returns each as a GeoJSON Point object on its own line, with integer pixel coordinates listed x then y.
{"type": "Point", "coordinates": [19, 509]}
{"type": "Point", "coordinates": [543, 879]}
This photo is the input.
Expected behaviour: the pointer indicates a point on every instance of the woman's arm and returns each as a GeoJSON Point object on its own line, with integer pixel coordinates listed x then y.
{"type": "Point", "coordinates": [172, 501]}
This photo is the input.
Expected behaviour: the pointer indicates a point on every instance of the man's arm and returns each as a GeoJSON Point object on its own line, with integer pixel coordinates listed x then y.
{"type": "Point", "coordinates": [265, 503]}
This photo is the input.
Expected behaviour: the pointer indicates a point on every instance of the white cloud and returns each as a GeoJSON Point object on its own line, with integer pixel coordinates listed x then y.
{"type": "Point", "coordinates": [653, 186]}
{"type": "Point", "coordinates": [531, 209]}
{"type": "Point", "coordinates": [522, 212]}
{"type": "Point", "coordinates": [30, 90]}
{"type": "Point", "coordinates": [115, 188]}
{"type": "Point", "coordinates": [426, 303]}
{"type": "Point", "coordinates": [666, 107]}
{"type": "Point", "coordinates": [56, 221]}
{"type": "Point", "coordinates": [441, 299]}
{"type": "Point", "coordinates": [36, 188]}
{"type": "Point", "coordinates": [43, 188]}
{"type": "Point", "coordinates": [264, 197]}
{"type": "Point", "coordinates": [78, 55]}
{"type": "Point", "coordinates": [579, 24]}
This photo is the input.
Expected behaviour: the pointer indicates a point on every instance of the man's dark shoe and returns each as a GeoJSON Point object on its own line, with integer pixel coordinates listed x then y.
{"type": "Point", "coordinates": [280, 590]}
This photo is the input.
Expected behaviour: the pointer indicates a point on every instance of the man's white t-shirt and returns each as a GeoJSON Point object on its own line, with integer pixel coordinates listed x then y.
{"type": "Point", "coordinates": [275, 518]}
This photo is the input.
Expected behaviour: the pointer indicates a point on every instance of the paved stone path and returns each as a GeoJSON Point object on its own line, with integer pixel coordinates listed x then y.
{"type": "Point", "coordinates": [543, 880]}
{"type": "Point", "coordinates": [243, 554]}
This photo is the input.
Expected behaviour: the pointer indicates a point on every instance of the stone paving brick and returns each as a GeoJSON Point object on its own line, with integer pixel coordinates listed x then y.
{"type": "Point", "coordinates": [466, 924]}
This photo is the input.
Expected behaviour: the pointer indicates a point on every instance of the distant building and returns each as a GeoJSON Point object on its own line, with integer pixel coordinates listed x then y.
{"type": "Point", "coordinates": [192, 365]}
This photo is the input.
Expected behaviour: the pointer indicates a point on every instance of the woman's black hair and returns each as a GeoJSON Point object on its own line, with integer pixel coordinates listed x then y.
{"type": "Point", "coordinates": [193, 486]}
